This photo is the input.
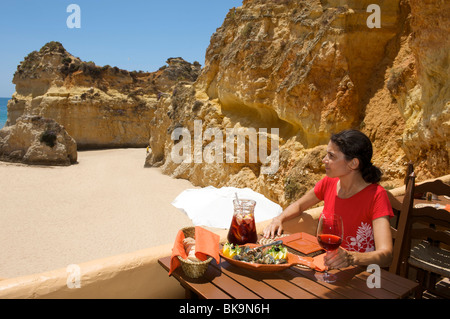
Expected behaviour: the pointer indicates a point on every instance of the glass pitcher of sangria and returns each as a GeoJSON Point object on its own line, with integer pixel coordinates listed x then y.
{"type": "Point", "coordinates": [243, 227]}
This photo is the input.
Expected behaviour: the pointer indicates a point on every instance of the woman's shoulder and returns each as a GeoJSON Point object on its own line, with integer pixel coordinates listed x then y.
{"type": "Point", "coordinates": [325, 186]}
{"type": "Point", "coordinates": [327, 182]}
{"type": "Point", "coordinates": [377, 190]}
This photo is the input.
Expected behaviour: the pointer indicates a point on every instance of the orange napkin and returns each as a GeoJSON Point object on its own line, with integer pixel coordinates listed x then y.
{"type": "Point", "coordinates": [315, 263]}
{"type": "Point", "coordinates": [206, 244]}
{"type": "Point", "coordinates": [177, 250]}
{"type": "Point", "coordinates": [319, 263]}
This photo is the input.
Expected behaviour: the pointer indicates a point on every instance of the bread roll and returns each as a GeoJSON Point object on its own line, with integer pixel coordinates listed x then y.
{"type": "Point", "coordinates": [189, 247]}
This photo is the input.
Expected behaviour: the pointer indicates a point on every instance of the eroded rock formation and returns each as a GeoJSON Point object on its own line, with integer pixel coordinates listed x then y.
{"type": "Point", "coordinates": [419, 82]}
{"type": "Point", "coordinates": [279, 73]}
{"type": "Point", "coordinates": [37, 141]}
{"type": "Point", "coordinates": [100, 107]}
{"type": "Point", "coordinates": [311, 68]}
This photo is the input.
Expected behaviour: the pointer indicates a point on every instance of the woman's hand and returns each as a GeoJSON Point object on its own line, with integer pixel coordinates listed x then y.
{"type": "Point", "coordinates": [275, 228]}
{"type": "Point", "coordinates": [339, 258]}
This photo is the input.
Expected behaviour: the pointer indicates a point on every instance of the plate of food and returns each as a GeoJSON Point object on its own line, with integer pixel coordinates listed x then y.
{"type": "Point", "coordinates": [272, 257]}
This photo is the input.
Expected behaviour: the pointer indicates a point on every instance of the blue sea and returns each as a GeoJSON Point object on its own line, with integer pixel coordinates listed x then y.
{"type": "Point", "coordinates": [3, 110]}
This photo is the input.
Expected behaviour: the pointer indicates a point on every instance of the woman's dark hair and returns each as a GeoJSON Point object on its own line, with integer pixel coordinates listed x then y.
{"type": "Point", "coordinates": [355, 144]}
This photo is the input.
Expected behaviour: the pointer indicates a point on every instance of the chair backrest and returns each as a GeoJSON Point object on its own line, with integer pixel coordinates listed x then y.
{"type": "Point", "coordinates": [396, 204]}
{"type": "Point", "coordinates": [396, 208]}
{"type": "Point", "coordinates": [425, 223]}
{"type": "Point", "coordinates": [436, 187]}
{"type": "Point", "coordinates": [399, 257]}
{"type": "Point", "coordinates": [409, 170]}
{"type": "Point", "coordinates": [431, 215]}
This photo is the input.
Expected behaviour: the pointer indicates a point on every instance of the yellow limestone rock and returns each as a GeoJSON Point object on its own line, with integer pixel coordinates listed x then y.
{"type": "Point", "coordinates": [312, 68]}
{"type": "Point", "coordinates": [100, 107]}
{"type": "Point", "coordinates": [37, 140]}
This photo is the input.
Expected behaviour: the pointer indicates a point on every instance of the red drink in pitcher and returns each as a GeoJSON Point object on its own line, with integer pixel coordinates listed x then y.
{"type": "Point", "coordinates": [243, 228]}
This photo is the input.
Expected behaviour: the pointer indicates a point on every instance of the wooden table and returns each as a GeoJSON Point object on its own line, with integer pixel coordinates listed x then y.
{"type": "Point", "coordinates": [226, 281]}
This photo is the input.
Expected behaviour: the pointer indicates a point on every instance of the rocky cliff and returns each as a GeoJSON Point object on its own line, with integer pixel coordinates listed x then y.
{"type": "Point", "coordinates": [100, 107]}
{"type": "Point", "coordinates": [279, 78]}
{"type": "Point", "coordinates": [311, 68]}
{"type": "Point", "coordinates": [419, 84]}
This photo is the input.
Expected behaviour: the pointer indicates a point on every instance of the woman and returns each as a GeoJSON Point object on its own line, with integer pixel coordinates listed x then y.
{"type": "Point", "coordinates": [351, 190]}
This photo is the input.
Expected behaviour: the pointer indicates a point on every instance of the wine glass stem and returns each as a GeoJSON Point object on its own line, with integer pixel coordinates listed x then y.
{"type": "Point", "coordinates": [326, 275]}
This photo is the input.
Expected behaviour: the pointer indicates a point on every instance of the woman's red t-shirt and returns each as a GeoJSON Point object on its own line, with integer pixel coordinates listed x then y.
{"type": "Point", "coordinates": [357, 212]}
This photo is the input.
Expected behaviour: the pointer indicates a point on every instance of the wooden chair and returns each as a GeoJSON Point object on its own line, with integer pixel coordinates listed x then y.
{"type": "Point", "coordinates": [399, 256]}
{"type": "Point", "coordinates": [396, 204]}
{"type": "Point", "coordinates": [396, 208]}
{"type": "Point", "coordinates": [409, 171]}
{"type": "Point", "coordinates": [436, 187]}
{"type": "Point", "coordinates": [420, 235]}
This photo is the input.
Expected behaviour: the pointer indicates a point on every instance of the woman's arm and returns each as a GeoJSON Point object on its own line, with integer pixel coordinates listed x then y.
{"type": "Point", "coordinates": [292, 211]}
{"type": "Point", "coordinates": [381, 256]}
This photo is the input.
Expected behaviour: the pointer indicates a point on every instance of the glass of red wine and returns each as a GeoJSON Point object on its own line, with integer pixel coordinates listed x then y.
{"type": "Point", "coordinates": [330, 232]}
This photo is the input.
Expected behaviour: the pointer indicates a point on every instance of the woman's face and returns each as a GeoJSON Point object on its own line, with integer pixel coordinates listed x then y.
{"type": "Point", "coordinates": [336, 165]}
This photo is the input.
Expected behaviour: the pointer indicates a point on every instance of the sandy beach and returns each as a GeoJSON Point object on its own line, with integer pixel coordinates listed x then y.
{"type": "Point", "coordinates": [105, 205]}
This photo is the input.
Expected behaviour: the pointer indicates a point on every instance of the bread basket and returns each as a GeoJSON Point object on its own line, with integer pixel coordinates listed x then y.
{"type": "Point", "coordinates": [193, 269]}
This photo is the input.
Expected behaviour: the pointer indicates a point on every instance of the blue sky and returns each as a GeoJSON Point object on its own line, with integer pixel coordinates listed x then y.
{"type": "Point", "coordinates": [132, 35]}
